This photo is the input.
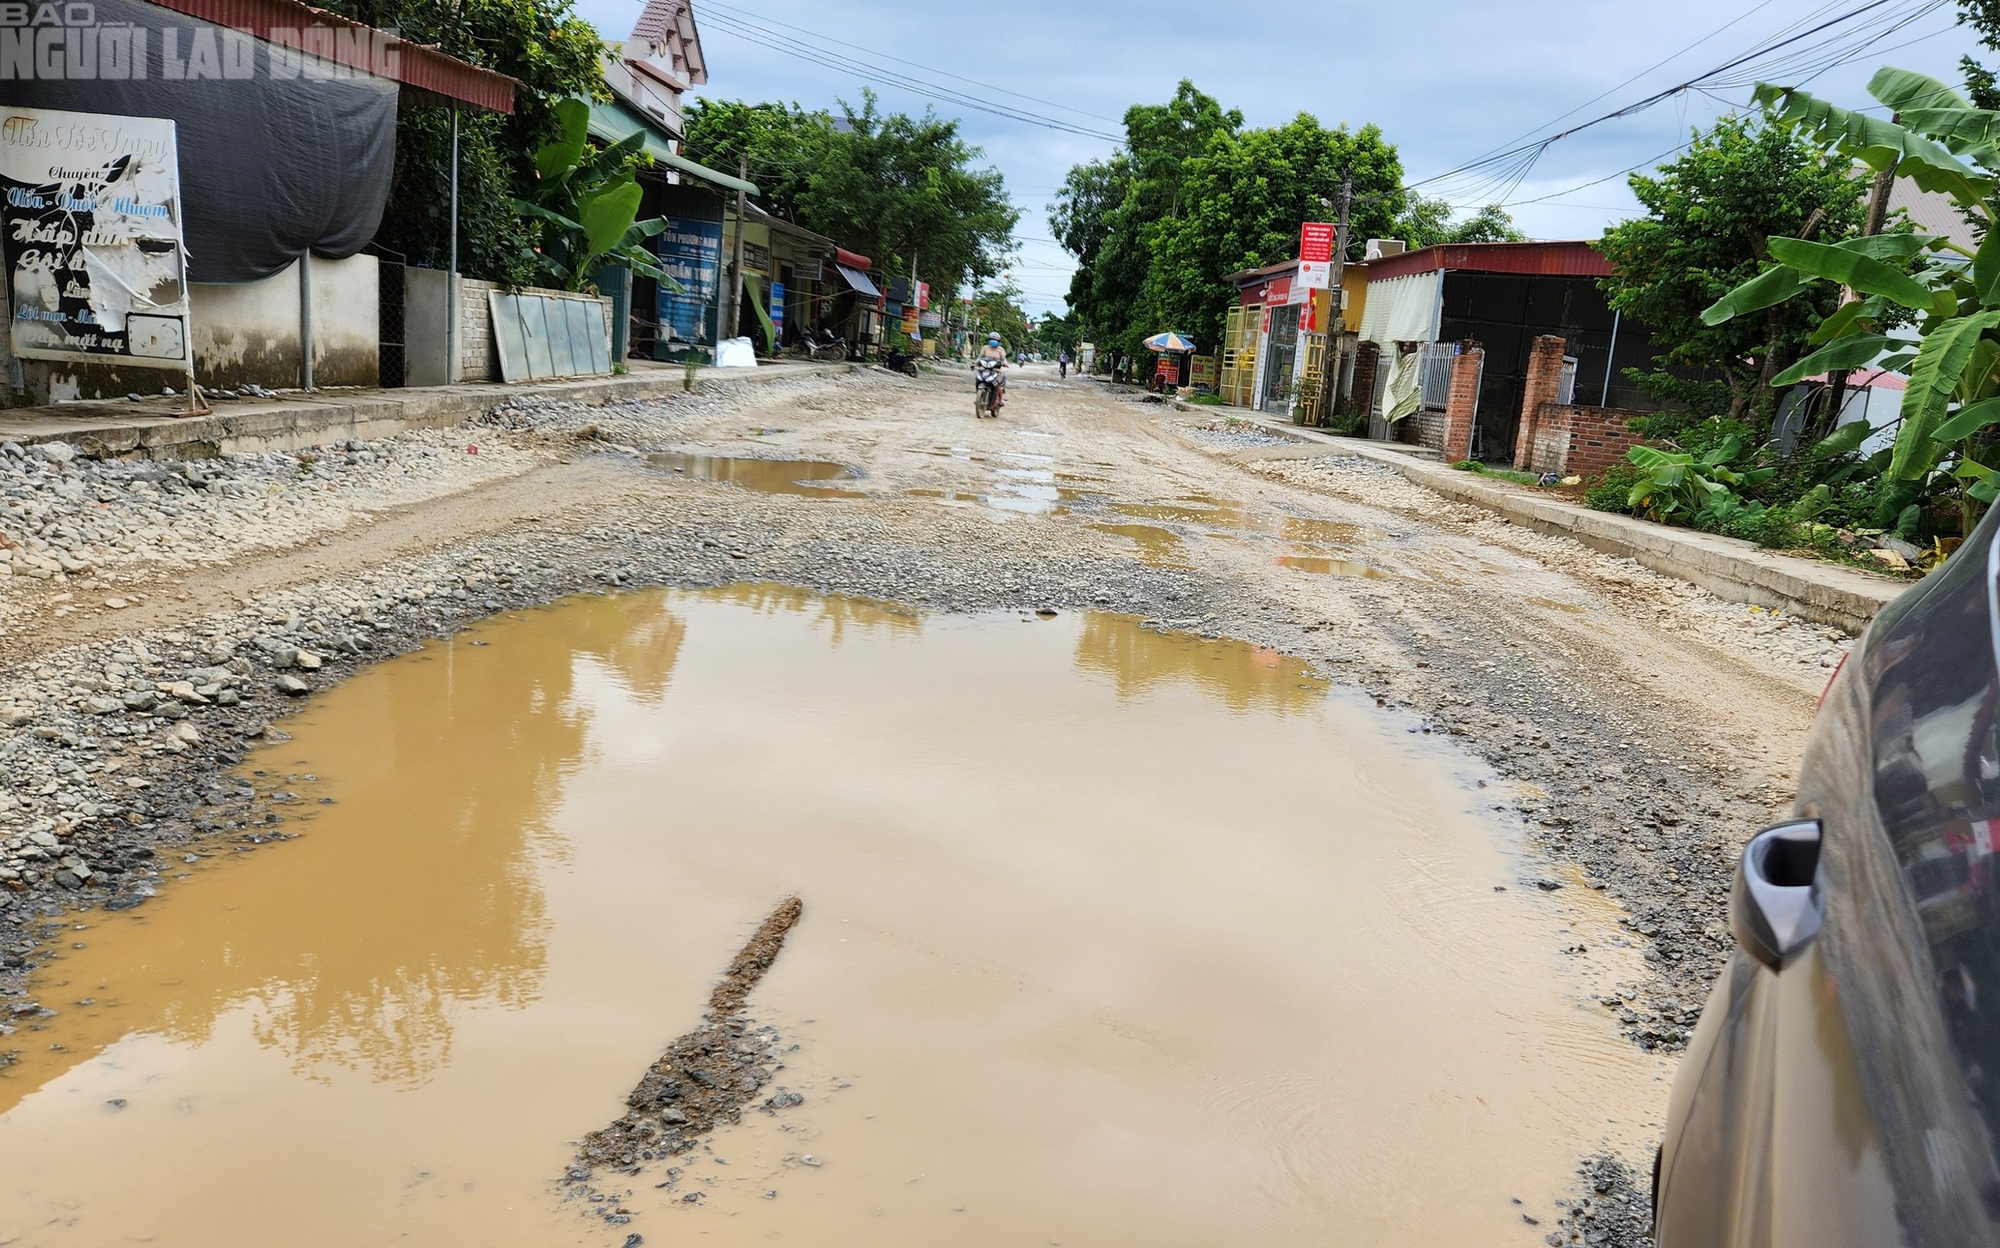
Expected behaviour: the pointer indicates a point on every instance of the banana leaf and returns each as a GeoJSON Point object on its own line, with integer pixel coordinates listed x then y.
{"type": "Point", "coordinates": [1839, 323]}
{"type": "Point", "coordinates": [1855, 351]}
{"type": "Point", "coordinates": [1933, 380]}
{"type": "Point", "coordinates": [1842, 441]}
{"type": "Point", "coordinates": [1862, 273]}
{"type": "Point", "coordinates": [555, 161]}
{"type": "Point", "coordinates": [1968, 420]}
{"type": "Point", "coordinates": [1906, 89]}
{"type": "Point", "coordinates": [1769, 288]}
{"type": "Point", "coordinates": [1881, 144]}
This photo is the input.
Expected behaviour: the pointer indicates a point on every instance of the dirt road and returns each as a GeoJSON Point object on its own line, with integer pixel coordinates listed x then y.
{"type": "Point", "coordinates": [156, 621]}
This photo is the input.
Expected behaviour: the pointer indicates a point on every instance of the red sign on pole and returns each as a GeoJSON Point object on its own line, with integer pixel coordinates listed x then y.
{"type": "Point", "coordinates": [1316, 243]}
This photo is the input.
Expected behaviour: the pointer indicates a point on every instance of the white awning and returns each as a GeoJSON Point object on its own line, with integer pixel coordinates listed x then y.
{"type": "Point", "coordinates": [1403, 309]}
{"type": "Point", "coordinates": [858, 281]}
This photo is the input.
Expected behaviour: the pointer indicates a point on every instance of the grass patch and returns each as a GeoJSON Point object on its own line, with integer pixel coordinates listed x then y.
{"type": "Point", "coordinates": [1206, 400]}
{"type": "Point", "coordinates": [1503, 474]}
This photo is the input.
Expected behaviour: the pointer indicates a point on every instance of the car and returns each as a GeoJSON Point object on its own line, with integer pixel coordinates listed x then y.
{"type": "Point", "coordinates": [1843, 1085]}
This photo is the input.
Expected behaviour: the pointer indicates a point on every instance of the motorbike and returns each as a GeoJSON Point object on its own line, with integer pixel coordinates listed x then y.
{"type": "Point", "coordinates": [897, 362]}
{"type": "Point", "coordinates": [986, 374]}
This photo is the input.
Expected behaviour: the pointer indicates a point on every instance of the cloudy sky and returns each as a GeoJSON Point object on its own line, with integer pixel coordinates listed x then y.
{"type": "Point", "coordinates": [1449, 82]}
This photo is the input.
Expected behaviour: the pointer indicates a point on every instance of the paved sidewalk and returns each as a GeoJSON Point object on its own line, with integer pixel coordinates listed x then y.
{"type": "Point", "coordinates": [1730, 568]}
{"type": "Point", "coordinates": [292, 421]}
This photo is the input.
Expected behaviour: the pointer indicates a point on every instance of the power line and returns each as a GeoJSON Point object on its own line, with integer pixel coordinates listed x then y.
{"type": "Point", "coordinates": [712, 5]}
{"type": "Point", "coordinates": [776, 41]}
{"type": "Point", "coordinates": [1510, 167]}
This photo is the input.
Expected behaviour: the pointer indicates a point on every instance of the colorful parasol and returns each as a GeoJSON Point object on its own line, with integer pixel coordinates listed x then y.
{"type": "Point", "coordinates": [1169, 343]}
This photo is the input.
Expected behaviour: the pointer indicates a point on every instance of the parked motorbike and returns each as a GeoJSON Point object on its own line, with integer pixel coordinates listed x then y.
{"type": "Point", "coordinates": [897, 362]}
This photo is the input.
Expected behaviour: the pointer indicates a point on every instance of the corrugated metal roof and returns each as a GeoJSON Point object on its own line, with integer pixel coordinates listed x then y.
{"type": "Point", "coordinates": [612, 122]}
{"type": "Point", "coordinates": [379, 53]}
{"type": "Point", "coordinates": [1556, 259]}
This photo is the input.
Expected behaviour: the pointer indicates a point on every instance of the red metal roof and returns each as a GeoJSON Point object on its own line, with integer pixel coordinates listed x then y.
{"type": "Point", "coordinates": [360, 47]}
{"type": "Point", "coordinates": [1560, 259]}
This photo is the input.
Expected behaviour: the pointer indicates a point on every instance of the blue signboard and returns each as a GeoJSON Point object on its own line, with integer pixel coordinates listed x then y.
{"type": "Point", "coordinates": [778, 308]}
{"type": "Point", "coordinates": [691, 253]}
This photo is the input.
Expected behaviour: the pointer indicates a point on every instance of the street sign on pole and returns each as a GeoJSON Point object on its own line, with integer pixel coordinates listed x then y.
{"type": "Point", "coordinates": [1316, 242]}
{"type": "Point", "coordinates": [1316, 255]}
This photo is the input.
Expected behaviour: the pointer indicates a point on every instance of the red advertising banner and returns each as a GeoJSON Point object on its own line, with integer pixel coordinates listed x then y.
{"type": "Point", "coordinates": [1316, 242]}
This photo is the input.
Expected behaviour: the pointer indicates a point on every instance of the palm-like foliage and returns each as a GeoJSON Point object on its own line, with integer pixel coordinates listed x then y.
{"type": "Point", "coordinates": [591, 196]}
{"type": "Point", "coordinates": [1945, 145]}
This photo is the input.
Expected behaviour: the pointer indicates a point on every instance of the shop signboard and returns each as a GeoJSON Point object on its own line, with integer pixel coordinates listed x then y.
{"type": "Point", "coordinates": [691, 254]}
{"type": "Point", "coordinates": [91, 223]}
{"type": "Point", "coordinates": [910, 320]}
{"type": "Point", "coordinates": [1202, 372]}
{"type": "Point", "coordinates": [807, 271]}
{"type": "Point", "coordinates": [931, 320]}
{"type": "Point", "coordinates": [778, 309]}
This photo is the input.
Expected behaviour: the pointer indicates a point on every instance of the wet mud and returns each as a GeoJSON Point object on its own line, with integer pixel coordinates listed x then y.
{"type": "Point", "coordinates": [703, 1080]}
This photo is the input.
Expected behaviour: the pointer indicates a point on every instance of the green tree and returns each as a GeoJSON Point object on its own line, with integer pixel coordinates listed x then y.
{"type": "Point", "coordinates": [779, 144]}
{"type": "Point", "coordinates": [1110, 214]}
{"type": "Point", "coordinates": [541, 43]}
{"type": "Point", "coordinates": [1244, 200]}
{"type": "Point", "coordinates": [1710, 216]}
{"type": "Point", "coordinates": [905, 191]}
{"type": "Point", "coordinates": [1428, 223]}
{"type": "Point", "coordinates": [1948, 441]}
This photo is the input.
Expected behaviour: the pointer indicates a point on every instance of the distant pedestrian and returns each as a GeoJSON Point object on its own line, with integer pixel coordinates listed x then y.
{"type": "Point", "coordinates": [1062, 363]}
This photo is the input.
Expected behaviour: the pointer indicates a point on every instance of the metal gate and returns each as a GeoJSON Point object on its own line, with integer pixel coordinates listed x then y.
{"type": "Point", "coordinates": [1239, 355]}
{"type": "Point", "coordinates": [1280, 356]}
{"type": "Point", "coordinates": [393, 360]}
{"type": "Point", "coordinates": [1308, 410]}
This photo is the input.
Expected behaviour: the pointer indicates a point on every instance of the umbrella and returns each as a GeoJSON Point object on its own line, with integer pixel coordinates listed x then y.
{"type": "Point", "coordinates": [1169, 343]}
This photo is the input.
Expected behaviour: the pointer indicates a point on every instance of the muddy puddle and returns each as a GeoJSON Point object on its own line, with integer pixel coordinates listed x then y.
{"type": "Point", "coordinates": [766, 476]}
{"type": "Point", "coordinates": [1110, 937]}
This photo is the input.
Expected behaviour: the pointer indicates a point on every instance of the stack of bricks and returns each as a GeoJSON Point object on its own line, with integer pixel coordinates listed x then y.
{"type": "Point", "coordinates": [1543, 384]}
{"type": "Point", "coordinates": [1582, 441]}
{"type": "Point", "coordinates": [1367, 359]}
{"type": "Point", "coordinates": [1462, 406]}
{"type": "Point", "coordinates": [477, 354]}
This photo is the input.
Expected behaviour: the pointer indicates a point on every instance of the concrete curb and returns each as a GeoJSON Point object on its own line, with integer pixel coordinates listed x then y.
{"type": "Point", "coordinates": [114, 430]}
{"type": "Point", "coordinates": [1728, 567]}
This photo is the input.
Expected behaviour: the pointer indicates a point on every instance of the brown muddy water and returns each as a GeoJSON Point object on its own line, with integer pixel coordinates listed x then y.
{"type": "Point", "coordinates": [766, 476]}
{"type": "Point", "coordinates": [1110, 938]}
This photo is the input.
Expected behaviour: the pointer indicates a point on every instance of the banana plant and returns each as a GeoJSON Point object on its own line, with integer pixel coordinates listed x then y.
{"type": "Point", "coordinates": [592, 196]}
{"type": "Point", "coordinates": [1952, 405]}
{"type": "Point", "coordinates": [1679, 485]}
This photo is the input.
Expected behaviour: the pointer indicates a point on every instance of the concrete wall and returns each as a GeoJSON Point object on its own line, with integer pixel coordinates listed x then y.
{"type": "Point", "coordinates": [424, 324]}
{"type": "Point", "coordinates": [249, 332]}
{"type": "Point", "coordinates": [246, 333]}
{"type": "Point", "coordinates": [424, 316]}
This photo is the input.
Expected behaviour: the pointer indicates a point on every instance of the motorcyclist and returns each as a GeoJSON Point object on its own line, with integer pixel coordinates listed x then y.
{"type": "Point", "coordinates": [993, 357]}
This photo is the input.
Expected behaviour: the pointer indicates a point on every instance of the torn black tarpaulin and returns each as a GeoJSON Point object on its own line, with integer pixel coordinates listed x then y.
{"type": "Point", "coordinates": [274, 161]}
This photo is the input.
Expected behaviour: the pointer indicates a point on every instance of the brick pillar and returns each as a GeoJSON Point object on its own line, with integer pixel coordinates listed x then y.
{"type": "Point", "coordinates": [1463, 404]}
{"type": "Point", "coordinates": [1367, 359]}
{"type": "Point", "coordinates": [1544, 382]}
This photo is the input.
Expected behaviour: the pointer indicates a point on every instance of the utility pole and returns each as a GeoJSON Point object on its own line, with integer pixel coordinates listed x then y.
{"type": "Point", "coordinates": [736, 258]}
{"type": "Point", "coordinates": [1336, 319]}
{"type": "Point", "coordinates": [451, 278]}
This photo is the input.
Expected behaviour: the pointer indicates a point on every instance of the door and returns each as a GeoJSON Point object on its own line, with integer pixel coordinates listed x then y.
{"type": "Point", "coordinates": [1281, 353]}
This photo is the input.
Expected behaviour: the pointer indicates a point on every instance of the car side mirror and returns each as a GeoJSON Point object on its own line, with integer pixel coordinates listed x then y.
{"type": "Point", "coordinates": [1776, 906]}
